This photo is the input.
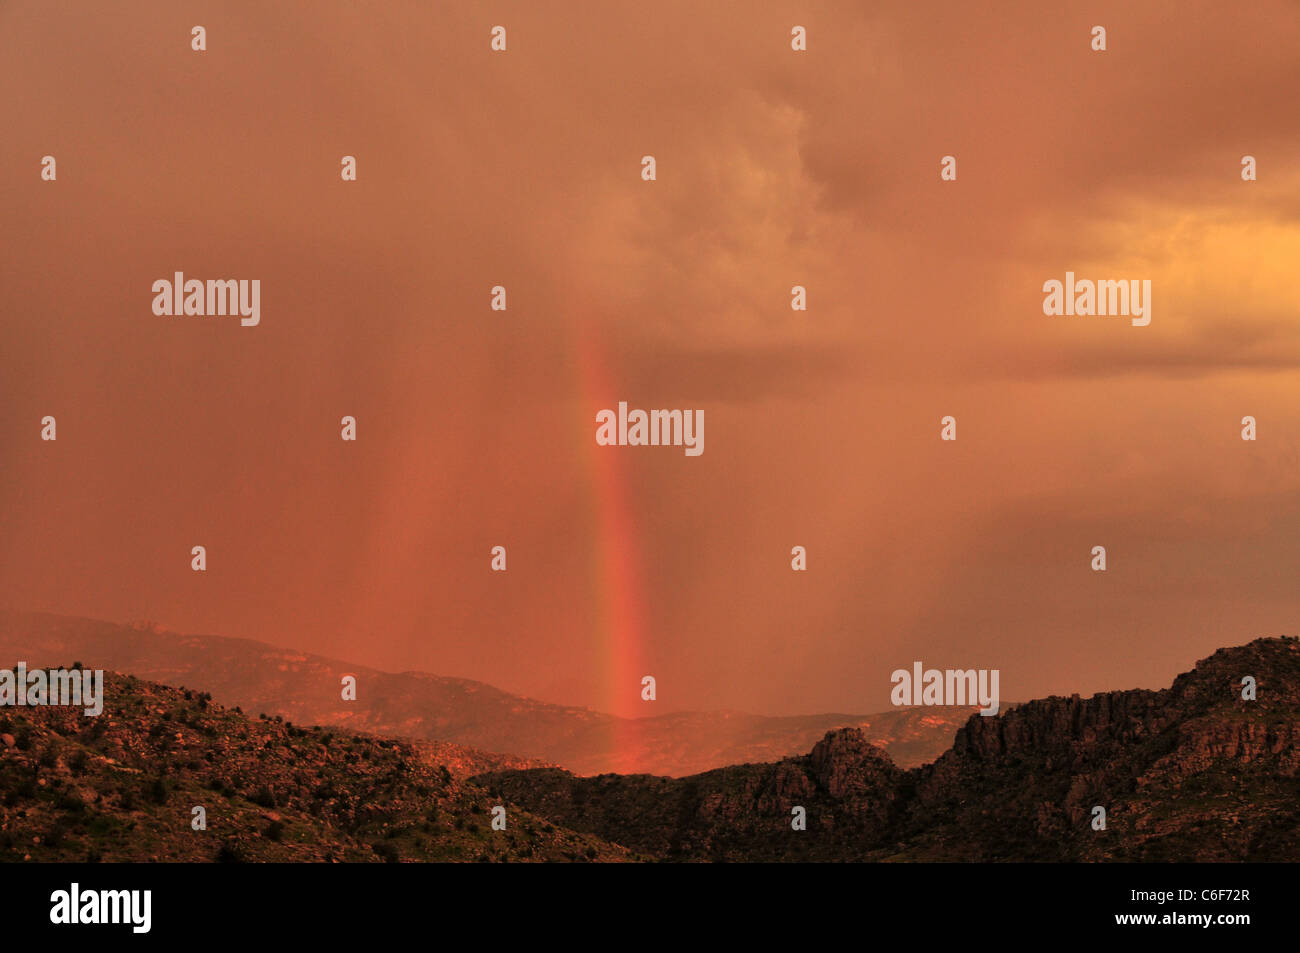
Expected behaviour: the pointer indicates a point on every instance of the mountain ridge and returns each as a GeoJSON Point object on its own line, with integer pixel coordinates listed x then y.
{"type": "Point", "coordinates": [127, 786]}
{"type": "Point", "coordinates": [1193, 772]}
{"type": "Point", "coordinates": [304, 687]}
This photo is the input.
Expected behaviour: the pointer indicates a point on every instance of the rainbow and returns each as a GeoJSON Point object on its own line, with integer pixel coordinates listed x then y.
{"type": "Point", "coordinates": [621, 618]}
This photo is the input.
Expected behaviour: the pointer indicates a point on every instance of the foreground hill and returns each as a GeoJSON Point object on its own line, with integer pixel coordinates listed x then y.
{"type": "Point", "coordinates": [1189, 773]}
{"type": "Point", "coordinates": [304, 688]}
{"type": "Point", "coordinates": [122, 787]}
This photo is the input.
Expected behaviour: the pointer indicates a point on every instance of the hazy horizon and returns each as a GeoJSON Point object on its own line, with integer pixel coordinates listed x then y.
{"type": "Point", "coordinates": [659, 711]}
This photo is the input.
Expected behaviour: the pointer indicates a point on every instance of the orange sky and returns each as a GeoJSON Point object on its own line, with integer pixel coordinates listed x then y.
{"type": "Point", "coordinates": [476, 428]}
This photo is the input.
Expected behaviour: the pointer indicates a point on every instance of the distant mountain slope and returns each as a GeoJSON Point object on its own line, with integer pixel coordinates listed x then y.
{"type": "Point", "coordinates": [122, 787]}
{"type": "Point", "coordinates": [1190, 773]}
{"type": "Point", "coordinates": [305, 689]}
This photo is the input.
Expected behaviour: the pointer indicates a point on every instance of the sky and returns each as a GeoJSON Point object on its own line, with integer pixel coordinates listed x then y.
{"type": "Point", "coordinates": [475, 428]}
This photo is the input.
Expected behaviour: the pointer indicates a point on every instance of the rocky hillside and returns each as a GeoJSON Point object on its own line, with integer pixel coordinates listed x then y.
{"type": "Point", "coordinates": [1189, 773]}
{"type": "Point", "coordinates": [122, 787]}
{"type": "Point", "coordinates": [849, 788]}
{"type": "Point", "coordinates": [304, 689]}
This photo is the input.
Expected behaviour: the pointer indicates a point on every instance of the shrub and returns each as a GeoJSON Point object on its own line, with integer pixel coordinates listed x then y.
{"type": "Point", "coordinates": [230, 853]}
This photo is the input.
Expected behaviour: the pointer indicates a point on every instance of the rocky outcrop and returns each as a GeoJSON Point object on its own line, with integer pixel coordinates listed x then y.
{"type": "Point", "coordinates": [124, 786]}
{"type": "Point", "coordinates": [1192, 772]}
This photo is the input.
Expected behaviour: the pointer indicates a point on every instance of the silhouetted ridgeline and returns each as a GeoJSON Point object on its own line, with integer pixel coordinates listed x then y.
{"type": "Point", "coordinates": [1192, 773]}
